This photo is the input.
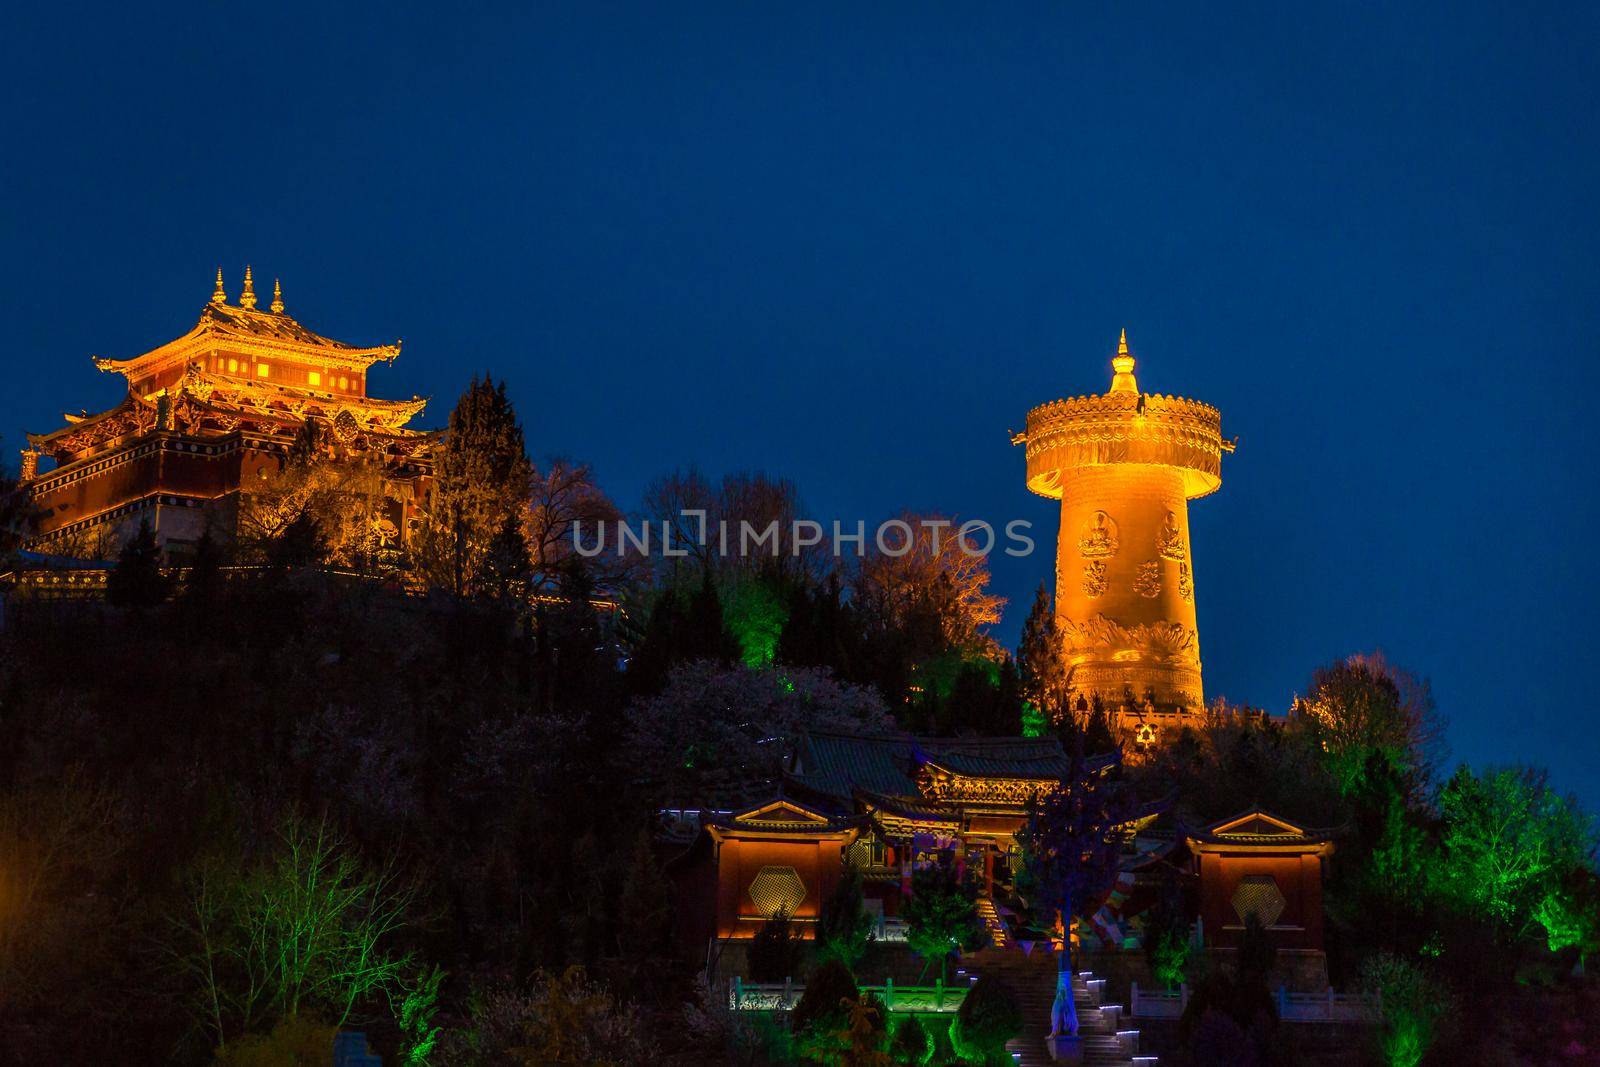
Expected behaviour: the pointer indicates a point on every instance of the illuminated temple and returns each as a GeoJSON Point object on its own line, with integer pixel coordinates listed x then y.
{"type": "Point", "coordinates": [210, 414]}
{"type": "Point", "coordinates": [1125, 465]}
{"type": "Point", "coordinates": [886, 803]}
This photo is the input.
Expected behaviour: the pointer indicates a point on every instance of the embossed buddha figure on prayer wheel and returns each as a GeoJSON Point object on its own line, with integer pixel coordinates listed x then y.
{"type": "Point", "coordinates": [1125, 465]}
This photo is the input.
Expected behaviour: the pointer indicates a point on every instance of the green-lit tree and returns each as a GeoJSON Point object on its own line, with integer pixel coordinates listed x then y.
{"type": "Point", "coordinates": [942, 913]}
{"type": "Point", "coordinates": [1508, 840]}
{"type": "Point", "coordinates": [306, 927]}
{"type": "Point", "coordinates": [989, 1016]}
{"type": "Point", "coordinates": [844, 927]}
{"type": "Point", "coordinates": [1041, 669]}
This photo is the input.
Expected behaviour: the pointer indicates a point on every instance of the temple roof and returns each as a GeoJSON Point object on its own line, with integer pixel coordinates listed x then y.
{"type": "Point", "coordinates": [783, 815]}
{"type": "Point", "coordinates": [1258, 828]}
{"type": "Point", "coordinates": [839, 764]}
{"type": "Point", "coordinates": [248, 329]}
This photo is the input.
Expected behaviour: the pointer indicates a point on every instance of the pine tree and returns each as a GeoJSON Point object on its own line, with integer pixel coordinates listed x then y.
{"type": "Point", "coordinates": [136, 581]}
{"type": "Point", "coordinates": [300, 544]}
{"type": "Point", "coordinates": [1041, 668]}
{"type": "Point", "coordinates": [205, 570]}
{"type": "Point", "coordinates": [708, 636]}
{"type": "Point", "coordinates": [306, 448]}
{"type": "Point", "coordinates": [643, 911]}
{"type": "Point", "coordinates": [482, 479]}
{"type": "Point", "coordinates": [844, 927]}
{"type": "Point", "coordinates": [507, 573]}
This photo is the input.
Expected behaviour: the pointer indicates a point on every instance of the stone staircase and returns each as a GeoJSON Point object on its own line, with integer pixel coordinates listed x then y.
{"type": "Point", "coordinates": [992, 921]}
{"type": "Point", "coordinates": [1106, 1042]}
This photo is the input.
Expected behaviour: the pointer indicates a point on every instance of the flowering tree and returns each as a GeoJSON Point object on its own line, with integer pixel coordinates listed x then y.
{"type": "Point", "coordinates": [715, 725]}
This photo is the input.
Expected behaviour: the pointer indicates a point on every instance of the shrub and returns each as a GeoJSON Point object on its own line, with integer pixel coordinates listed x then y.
{"type": "Point", "coordinates": [912, 1046]}
{"type": "Point", "coordinates": [297, 1041]}
{"type": "Point", "coordinates": [775, 950]}
{"type": "Point", "coordinates": [1413, 1006]}
{"type": "Point", "coordinates": [822, 1006]}
{"type": "Point", "coordinates": [989, 1017]}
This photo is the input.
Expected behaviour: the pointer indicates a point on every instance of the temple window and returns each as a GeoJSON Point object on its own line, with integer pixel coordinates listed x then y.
{"type": "Point", "coordinates": [233, 366]}
{"type": "Point", "coordinates": [314, 378]}
{"type": "Point", "coordinates": [262, 370]}
{"type": "Point", "coordinates": [344, 383]}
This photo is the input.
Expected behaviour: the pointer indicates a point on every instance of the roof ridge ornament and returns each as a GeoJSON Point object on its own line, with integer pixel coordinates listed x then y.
{"type": "Point", "coordinates": [218, 296]}
{"type": "Point", "coordinates": [1123, 381]}
{"type": "Point", "coordinates": [277, 296]}
{"type": "Point", "coordinates": [247, 298]}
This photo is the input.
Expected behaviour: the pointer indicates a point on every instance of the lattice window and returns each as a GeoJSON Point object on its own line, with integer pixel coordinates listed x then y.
{"type": "Point", "coordinates": [1259, 895]}
{"type": "Point", "coordinates": [776, 889]}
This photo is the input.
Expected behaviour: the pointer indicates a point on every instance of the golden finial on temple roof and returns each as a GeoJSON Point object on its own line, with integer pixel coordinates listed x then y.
{"type": "Point", "coordinates": [217, 295]}
{"type": "Point", "coordinates": [247, 298]}
{"type": "Point", "coordinates": [277, 297]}
{"type": "Point", "coordinates": [1123, 380]}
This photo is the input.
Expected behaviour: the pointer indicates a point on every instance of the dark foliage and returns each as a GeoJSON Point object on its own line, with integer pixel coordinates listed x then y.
{"type": "Point", "coordinates": [990, 1016]}
{"type": "Point", "coordinates": [137, 580]}
{"type": "Point", "coordinates": [774, 953]}
{"type": "Point", "coordinates": [822, 1008]}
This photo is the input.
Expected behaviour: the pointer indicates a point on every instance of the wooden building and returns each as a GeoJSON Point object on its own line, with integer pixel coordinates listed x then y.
{"type": "Point", "coordinates": [211, 414]}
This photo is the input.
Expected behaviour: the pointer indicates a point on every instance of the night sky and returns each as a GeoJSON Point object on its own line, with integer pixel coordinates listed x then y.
{"type": "Point", "coordinates": [853, 245]}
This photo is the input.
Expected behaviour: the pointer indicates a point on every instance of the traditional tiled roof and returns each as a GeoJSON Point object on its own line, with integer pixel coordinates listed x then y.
{"type": "Point", "coordinates": [838, 764]}
{"type": "Point", "coordinates": [786, 816]}
{"type": "Point", "coordinates": [275, 325]}
{"type": "Point", "coordinates": [1256, 827]}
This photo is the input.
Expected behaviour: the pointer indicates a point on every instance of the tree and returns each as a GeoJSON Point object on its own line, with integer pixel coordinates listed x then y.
{"type": "Point", "coordinates": [824, 1006]}
{"type": "Point", "coordinates": [305, 927]}
{"type": "Point", "coordinates": [564, 501]}
{"type": "Point", "coordinates": [1074, 836]}
{"type": "Point", "coordinates": [942, 913]}
{"type": "Point", "coordinates": [643, 911]}
{"type": "Point", "coordinates": [774, 954]}
{"type": "Point", "coordinates": [136, 581]}
{"type": "Point", "coordinates": [506, 576]}
{"type": "Point", "coordinates": [1366, 713]}
{"type": "Point", "coordinates": [1040, 664]}
{"type": "Point", "coordinates": [938, 588]}
{"type": "Point", "coordinates": [844, 927]}
{"type": "Point", "coordinates": [482, 477]}
{"type": "Point", "coordinates": [1508, 839]}
{"type": "Point", "coordinates": [418, 1009]}
{"type": "Point", "coordinates": [1413, 1006]}
{"type": "Point", "coordinates": [715, 727]}
{"type": "Point", "coordinates": [299, 544]}
{"type": "Point", "coordinates": [565, 1018]}
{"type": "Point", "coordinates": [1166, 935]}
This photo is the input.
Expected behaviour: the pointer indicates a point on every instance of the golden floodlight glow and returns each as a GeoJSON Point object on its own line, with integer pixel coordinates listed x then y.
{"type": "Point", "coordinates": [1124, 465]}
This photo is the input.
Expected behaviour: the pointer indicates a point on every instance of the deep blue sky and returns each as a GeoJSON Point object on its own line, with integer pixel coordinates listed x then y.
{"type": "Point", "coordinates": [852, 245]}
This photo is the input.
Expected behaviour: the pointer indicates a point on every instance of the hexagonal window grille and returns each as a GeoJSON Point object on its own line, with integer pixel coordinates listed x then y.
{"type": "Point", "coordinates": [1259, 895]}
{"type": "Point", "coordinates": [776, 889]}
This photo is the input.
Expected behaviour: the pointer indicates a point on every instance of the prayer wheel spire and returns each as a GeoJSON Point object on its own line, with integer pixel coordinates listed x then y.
{"type": "Point", "coordinates": [247, 298]}
{"type": "Point", "coordinates": [1123, 381]}
{"type": "Point", "coordinates": [217, 294]}
{"type": "Point", "coordinates": [277, 297]}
